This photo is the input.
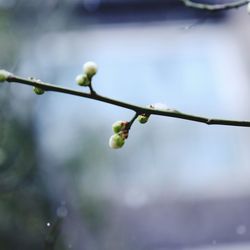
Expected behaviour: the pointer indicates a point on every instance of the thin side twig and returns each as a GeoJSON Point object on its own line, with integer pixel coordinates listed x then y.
{"type": "Point", "coordinates": [214, 7]}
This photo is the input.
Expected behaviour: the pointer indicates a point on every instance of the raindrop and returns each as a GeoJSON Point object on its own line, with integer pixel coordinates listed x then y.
{"type": "Point", "coordinates": [48, 224]}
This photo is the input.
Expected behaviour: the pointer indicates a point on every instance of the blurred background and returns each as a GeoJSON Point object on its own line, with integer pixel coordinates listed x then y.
{"type": "Point", "coordinates": [175, 184]}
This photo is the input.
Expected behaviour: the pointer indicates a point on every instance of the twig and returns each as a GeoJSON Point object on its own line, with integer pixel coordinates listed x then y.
{"type": "Point", "coordinates": [137, 109]}
{"type": "Point", "coordinates": [131, 121]}
{"type": "Point", "coordinates": [214, 7]}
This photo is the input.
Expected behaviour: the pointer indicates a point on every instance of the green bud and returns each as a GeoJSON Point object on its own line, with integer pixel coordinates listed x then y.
{"type": "Point", "coordinates": [4, 75]}
{"type": "Point", "coordinates": [116, 141]}
{"type": "Point", "coordinates": [38, 91]}
{"type": "Point", "coordinates": [119, 126]}
{"type": "Point", "coordinates": [143, 118]}
{"type": "Point", "coordinates": [90, 68]}
{"type": "Point", "coordinates": [82, 80]}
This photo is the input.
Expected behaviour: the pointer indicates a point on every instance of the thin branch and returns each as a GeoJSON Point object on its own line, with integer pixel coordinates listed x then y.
{"type": "Point", "coordinates": [214, 7]}
{"type": "Point", "coordinates": [137, 109]}
{"type": "Point", "coordinates": [132, 121]}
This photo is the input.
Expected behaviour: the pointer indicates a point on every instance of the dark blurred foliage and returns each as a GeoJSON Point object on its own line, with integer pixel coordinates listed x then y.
{"type": "Point", "coordinates": [24, 201]}
{"type": "Point", "coordinates": [29, 216]}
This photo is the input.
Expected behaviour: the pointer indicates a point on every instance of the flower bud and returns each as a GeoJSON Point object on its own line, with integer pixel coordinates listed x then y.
{"type": "Point", "coordinates": [82, 80]}
{"type": "Point", "coordinates": [4, 75]}
{"type": "Point", "coordinates": [38, 91]}
{"type": "Point", "coordinates": [116, 141]}
{"type": "Point", "coordinates": [90, 68]}
{"type": "Point", "coordinates": [143, 118]}
{"type": "Point", "coordinates": [124, 134]}
{"type": "Point", "coordinates": [248, 8]}
{"type": "Point", "coordinates": [119, 126]}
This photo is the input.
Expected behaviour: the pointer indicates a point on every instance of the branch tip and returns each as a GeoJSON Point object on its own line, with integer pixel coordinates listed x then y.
{"type": "Point", "coordinates": [215, 7]}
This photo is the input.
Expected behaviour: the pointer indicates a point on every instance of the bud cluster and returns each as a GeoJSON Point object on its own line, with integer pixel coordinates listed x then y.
{"type": "Point", "coordinates": [89, 70]}
{"type": "Point", "coordinates": [120, 134]}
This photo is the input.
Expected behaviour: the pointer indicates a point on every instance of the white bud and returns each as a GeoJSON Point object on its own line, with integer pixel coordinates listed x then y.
{"type": "Point", "coordinates": [248, 8]}
{"type": "Point", "coordinates": [4, 75]}
{"type": "Point", "coordinates": [90, 68]}
{"type": "Point", "coordinates": [82, 80]}
{"type": "Point", "coordinates": [116, 141]}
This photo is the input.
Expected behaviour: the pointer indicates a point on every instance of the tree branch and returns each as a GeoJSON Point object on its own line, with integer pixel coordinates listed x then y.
{"type": "Point", "coordinates": [214, 7]}
{"type": "Point", "coordinates": [137, 109]}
